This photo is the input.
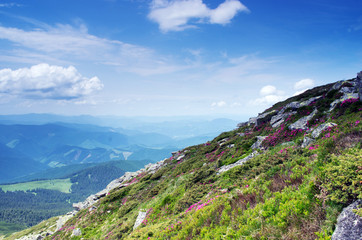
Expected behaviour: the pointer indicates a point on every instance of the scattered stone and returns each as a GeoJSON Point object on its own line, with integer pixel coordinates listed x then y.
{"type": "Point", "coordinates": [141, 216]}
{"type": "Point", "coordinates": [277, 120]}
{"type": "Point", "coordinates": [241, 134]}
{"type": "Point", "coordinates": [349, 224]}
{"type": "Point", "coordinates": [307, 141]}
{"type": "Point", "coordinates": [77, 232]}
{"type": "Point", "coordinates": [231, 145]}
{"type": "Point", "coordinates": [359, 84]}
{"type": "Point", "coordinates": [302, 123]}
{"type": "Point", "coordinates": [223, 141]}
{"type": "Point", "coordinates": [259, 141]}
{"type": "Point", "coordinates": [316, 132]}
{"type": "Point", "coordinates": [265, 117]}
{"type": "Point", "coordinates": [238, 163]}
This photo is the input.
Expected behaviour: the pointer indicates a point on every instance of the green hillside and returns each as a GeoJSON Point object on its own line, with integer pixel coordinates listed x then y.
{"type": "Point", "coordinates": [286, 174]}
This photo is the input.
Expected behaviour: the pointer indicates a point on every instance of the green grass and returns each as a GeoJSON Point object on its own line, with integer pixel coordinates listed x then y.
{"type": "Point", "coordinates": [7, 228]}
{"type": "Point", "coordinates": [62, 185]}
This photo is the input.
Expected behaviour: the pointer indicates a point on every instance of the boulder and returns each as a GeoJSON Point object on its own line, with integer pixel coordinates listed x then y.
{"type": "Point", "coordinates": [359, 84]}
{"type": "Point", "coordinates": [293, 105]}
{"type": "Point", "coordinates": [316, 132]}
{"type": "Point", "coordinates": [259, 141]}
{"type": "Point", "coordinates": [76, 232]}
{"type": "Point", "coordinates": [302, 122]}
{"type": "Point", "coordinates": [309, 101]}
{"type": "Point", "coordinates": [265, 117]}
{"type": "Point", "coordinates": [141, 216]}
{"type": "Point", "coordinates": [349, 224]}
{"type": "Point", "coordinates": [307, 141]}
{"type": "Point", "coordinates": [238, 163]}
{"type": "Point", "coordinates": [278, 119]}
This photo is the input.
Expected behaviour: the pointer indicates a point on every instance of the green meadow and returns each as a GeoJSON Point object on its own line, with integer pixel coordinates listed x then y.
{"type": "Point", "coordinates": [62, 185]}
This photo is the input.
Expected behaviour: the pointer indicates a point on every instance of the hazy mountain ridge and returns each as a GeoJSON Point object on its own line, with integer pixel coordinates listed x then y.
{"type": "Point", "coordinates": [285, 174]}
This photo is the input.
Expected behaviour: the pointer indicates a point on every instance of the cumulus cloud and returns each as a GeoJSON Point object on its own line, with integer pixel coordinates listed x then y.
{"type": "Point", "coordinates": [44, 81]}
{"type": "Point", "coordinates": [269, 95]}
{"type": "Point", "coordinates": [176, 15]}
{"type": "Point", "coordinates": [303, 85]}
{"type": "Point", "coordinates": [268, 90]}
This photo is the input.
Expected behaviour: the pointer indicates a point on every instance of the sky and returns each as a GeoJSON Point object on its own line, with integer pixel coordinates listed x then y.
{"type": "Point", "coordinates": [223, 58]}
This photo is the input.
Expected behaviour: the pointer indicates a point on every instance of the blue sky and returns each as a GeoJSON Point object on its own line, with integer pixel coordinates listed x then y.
{"type": "Point", "coordinates": [166, 58]}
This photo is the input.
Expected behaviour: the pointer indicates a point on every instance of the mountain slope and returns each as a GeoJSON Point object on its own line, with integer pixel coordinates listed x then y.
{"type": "Point", "coordinates": [285, 174]}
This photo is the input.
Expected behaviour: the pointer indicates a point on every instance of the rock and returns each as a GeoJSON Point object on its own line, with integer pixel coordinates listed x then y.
{"type": "Point", "coordinates": [231, 145]}
{"type": "Point", "coordinates": [222, 141]}
{"type": "Point", "coordinates": [259, 141]}
{"type": "Point", "coordinates": [141, 216]}
{"type": "Point", "coordinates": [32, 237]}
{"type": "Point", "coordinates": [307, 141]}
{"type": "Point", "coordinates": [252, 120]}
{"type": "Point", "coordinates": [241, 134]}
{"type": "Point", "coordinates": [302, 123]}
{"type": "Point", "coordinates": [338, 85]}
{"type": "Point", "coordinates": [238, 163]}
{"type": "Point", "coordinates": [63, 219]}
{"type": "Point", "coordinates": [243, 124]}
{"type": "Point", "coordinates": [359, 84]}
{"type": "Point", "coordinates": [76, 232]}
{"type": "Point", "coordinates": [316, 132]}
{"type": "Point", "coordinates": [349, 224]}
{"type": "Point", "coordinates": [278, 119]}
{"type": "Point", "coordinates": [293, 105]}
{"type": "Point", "coordinates": [309, 101]}
{"type": "Point", "coordinates": [265, 117]}
{"type": "Point", "coordinates": [334, 104]}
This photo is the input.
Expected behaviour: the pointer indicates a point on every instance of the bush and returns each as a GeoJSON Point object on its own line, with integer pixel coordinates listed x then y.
{"type": "Point", "coordinates": [342, 177]}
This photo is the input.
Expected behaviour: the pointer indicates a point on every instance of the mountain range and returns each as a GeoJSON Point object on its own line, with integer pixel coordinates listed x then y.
{"type": "Point", "coordinates": [288, 173]}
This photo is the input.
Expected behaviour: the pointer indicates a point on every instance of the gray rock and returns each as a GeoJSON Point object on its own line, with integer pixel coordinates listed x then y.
{"type": "Point", "coordinates": [309, 101]}
{"type": "Point", "coordinates": [259, 141]}
{"type": "Point", "coordinates": [347, 90]}
{"type": "Point", "coordinates": [243, 124]}
{"type": "Point", "coordinates": [238, 163]}
{"type": "Point", "coordinates": [265, 117]}
{"type": "Point", "coordinates": [141, 216]}
{"type": "Point", "coordinates": [252, 120]}
{"type": "Point", "coordinates": [302, 122]}
{"type": "Point", "coordinates": [76, 232]}
{"type": "Point", "coordinates": [63, 219]}
{"type": "Point", "coordinates": [277, 120]}
{"type": "Point", "coordinates": [349, 224]}
{"type": "Point", "coordinates": [307, 141]}
{"type": "Point", "coordinates": [359, 84]}
{"type": "Point", "coordinates": [316, 132]}
{"type": "Point", "coordinates": [293, 105]}
{"type": "Point", "coordinates": [338, 85]}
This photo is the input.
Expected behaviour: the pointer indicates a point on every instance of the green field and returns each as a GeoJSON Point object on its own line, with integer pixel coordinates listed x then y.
{"type": "Point", "coordinates": [62, 185]}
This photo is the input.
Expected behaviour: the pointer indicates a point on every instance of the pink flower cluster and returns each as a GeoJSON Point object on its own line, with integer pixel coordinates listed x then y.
{"type": "Point", "coordinates": [349, 101]}
{"type": "Point", "coordinates": [313, 147]}
{"type": "Point", "coordinates": [282, 135]}
{"type": "Point", "coordinates": [199, 205]}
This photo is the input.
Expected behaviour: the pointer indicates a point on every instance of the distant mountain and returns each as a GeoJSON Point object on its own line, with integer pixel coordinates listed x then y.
{"type": "Point", "coordinates": [14, 164]}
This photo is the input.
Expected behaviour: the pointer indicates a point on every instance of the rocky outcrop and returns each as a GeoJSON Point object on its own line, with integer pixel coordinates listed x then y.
{"type": "Point", "coordinates": [259, 141]}
{"type": "Point", "coordinates": [349, 224]}
{"type": "Point", "coordinates": [278, 119]}
{"type": "Point", "coordinates": [238, 163]}
{"type": "Point", "coordinates": [316, 132]}
{"type": "Point", "coordinates": [63, 219]}
{"type": "Point", "coordinates": [307, 141]}
{"type": "Point", "coordinates": [359, 84]}
{"type": "Point", "coordinates": [118, 183]}
{"type": "Point", "coordinates": [141, 216]}
{"type": "Point", "coordinates": [302, 122]}
{"type": "Point", "coordinates": [76, 232]}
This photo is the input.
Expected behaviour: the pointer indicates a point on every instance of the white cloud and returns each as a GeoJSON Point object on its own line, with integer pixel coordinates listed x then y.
{"type": "Point", "coordinates": [268, 90]}
{"type": "Point", "coordinates": [44, 81]}
{"type": "Point", "coordinates": [176, 15]}
{"type": "Point", "coordinates": [68, 44]}
{"type": "Point", "coordinates": [304, 84]}
{"type": "Point", "coordinates": [270, 95]}
{"type": "Point", "coordinates": [219, 104]}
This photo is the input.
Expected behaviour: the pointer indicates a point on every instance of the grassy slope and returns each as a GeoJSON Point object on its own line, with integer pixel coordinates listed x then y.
{"type": "Point", "coordinates": [62, 185]}
{"type": "Point", "coordinates": [286, 192]}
